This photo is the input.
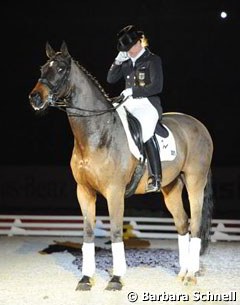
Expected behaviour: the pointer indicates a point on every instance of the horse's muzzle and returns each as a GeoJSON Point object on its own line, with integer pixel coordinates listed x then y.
{"type": "Point", "coordinates": [36, 101]}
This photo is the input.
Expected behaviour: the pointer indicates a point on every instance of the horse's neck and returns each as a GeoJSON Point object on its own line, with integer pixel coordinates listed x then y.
{"type": "Point", "coordinates": [87, 92]}
{"type": "Point", "coordinates": [89, 128]}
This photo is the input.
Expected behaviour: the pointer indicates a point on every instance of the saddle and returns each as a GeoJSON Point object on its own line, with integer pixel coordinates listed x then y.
{"type": "Point", "coordinates": [136, 130]}
{"type": "Point", "coordinates": [135, 126]}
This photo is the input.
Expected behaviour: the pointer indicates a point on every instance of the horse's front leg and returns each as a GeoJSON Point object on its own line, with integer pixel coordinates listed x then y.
{"type": "Point", "coordinates": [87, 201]}
{"type": "Point", "coordinates": [115, 201]}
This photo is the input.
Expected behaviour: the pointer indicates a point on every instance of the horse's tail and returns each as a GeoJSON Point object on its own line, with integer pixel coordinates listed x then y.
{"type": "Point", "coordinates": [207, 210]}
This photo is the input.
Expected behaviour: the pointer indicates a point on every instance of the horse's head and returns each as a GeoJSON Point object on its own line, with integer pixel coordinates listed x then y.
{"type": "Point", "coordinates": [53, 85]}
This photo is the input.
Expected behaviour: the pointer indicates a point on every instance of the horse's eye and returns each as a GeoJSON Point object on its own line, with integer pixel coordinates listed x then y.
{"type": "Point", "coordinates": [60, 70]}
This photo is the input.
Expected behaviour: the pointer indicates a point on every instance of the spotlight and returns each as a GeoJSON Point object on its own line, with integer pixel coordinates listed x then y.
{"type": "Point", "coordinates": [223, 15]}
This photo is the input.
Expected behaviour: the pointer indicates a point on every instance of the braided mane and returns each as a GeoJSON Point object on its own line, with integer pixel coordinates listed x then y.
{"type": "Point", "coordinates": [96, 82]}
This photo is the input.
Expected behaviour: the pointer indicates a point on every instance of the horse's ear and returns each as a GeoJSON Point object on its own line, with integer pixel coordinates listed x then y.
{"type": "Point", "coordinates": [49, 50]}
{"type": "Point", "coordinates": [64, 49]}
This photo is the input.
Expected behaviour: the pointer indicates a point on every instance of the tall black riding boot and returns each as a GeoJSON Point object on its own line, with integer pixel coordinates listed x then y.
{"type": "Point", "coordinates": [153, 157]}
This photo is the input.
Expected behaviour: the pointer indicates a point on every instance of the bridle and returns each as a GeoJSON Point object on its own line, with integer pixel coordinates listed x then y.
{"type": "Point", "coordinates": [55, 99]}
{"type": "Point", "coordinates": [56, 88]}
{"type": "Point", "coordinates": [62, 102]}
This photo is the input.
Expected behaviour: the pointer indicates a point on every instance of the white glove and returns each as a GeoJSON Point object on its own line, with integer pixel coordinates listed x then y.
{"type": "Point", "coordinates": [121, 57]}
{"type": "Point", "coordinates": [126, 93]}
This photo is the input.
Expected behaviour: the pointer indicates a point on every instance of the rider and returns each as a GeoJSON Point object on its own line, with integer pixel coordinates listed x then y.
{"type": "Point", "coordinates": [142, 71]}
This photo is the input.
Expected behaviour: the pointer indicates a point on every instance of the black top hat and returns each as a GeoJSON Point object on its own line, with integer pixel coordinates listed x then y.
{"type": "Point", "coordinates": [127, 38]}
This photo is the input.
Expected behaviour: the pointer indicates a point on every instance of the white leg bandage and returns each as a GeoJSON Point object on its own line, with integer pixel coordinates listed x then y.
{"type": "Point", "coordinates": [88, 261]}
{"type": "Point", "coordinates": [194, 254]}
{"type": "Point", "coordinates": [183, 246]}
{"type": "Point", "coordinates": [119, 261]}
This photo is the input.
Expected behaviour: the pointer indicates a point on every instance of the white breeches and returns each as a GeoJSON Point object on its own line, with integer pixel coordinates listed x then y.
{"type": "Point", "coordinates": [146, 114]}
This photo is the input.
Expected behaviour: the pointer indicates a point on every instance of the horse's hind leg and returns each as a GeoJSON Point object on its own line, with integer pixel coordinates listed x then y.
{"type": "Point", "coordinates": [115, 200]}
{"type": "Point", "coordinates": [87, 201]}
{"type": "Point", "coordinates": [195, 187]}
{"type": "Point", "coordinates": [173, 200]}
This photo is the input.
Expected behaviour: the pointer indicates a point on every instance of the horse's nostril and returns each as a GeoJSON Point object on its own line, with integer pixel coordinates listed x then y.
{"type": "Point", "coordinates": [33, 94]}
{"type": "Point", "coordinates": [36, 100]}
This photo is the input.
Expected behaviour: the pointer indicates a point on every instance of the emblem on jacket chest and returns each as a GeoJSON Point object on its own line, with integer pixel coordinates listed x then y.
{"type": "Point", "coordinates": [141, 77]}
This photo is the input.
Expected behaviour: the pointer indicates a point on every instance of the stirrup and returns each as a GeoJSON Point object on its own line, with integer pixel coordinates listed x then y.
{"type": "Point", "coordinates": [153, 184]}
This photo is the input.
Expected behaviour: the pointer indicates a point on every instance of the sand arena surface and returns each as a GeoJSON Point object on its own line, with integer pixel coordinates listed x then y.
{"type": "Point", "coordinates": [28, 276]}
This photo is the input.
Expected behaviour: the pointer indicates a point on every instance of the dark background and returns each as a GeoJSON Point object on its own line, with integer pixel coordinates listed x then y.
{"type": "Point", "coordinates": [200, 53]}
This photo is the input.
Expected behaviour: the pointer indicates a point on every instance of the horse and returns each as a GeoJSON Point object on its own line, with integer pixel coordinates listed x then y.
{"type": "Point", "coordinates": [102, 163]}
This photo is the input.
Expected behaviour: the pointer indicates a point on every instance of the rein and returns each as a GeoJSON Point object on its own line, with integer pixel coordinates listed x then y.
{"type": "Point", "coordinates": [63, 105]}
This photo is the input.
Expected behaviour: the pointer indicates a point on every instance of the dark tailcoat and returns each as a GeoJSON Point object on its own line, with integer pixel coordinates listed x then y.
{"type": "Point", "coordinates": [145, 77]}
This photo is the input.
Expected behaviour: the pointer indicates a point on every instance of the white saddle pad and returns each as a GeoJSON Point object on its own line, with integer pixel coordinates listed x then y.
{"type": "Point", "coordinates": [167, 145]}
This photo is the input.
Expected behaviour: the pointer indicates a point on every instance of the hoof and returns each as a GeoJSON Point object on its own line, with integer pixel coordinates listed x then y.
{"type": "Point", "coordinates": [190, 280]}
{"type": "Point", "coordinates": [84, 284]}
{"type": "Point", "coordinates": [114, 283]}
{"type": "Point", "coordinates": [180, 278]}
{"type": "Point", "coordinates": [181, 275]}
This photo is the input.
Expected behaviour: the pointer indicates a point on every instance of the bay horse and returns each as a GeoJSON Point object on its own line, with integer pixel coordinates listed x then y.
{"type": "Point", "coordinates": [102, 163]}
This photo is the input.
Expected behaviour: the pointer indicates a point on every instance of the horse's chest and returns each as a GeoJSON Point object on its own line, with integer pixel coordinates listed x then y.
{"type": "Point", "coordinates": [80, 167]}
{"type": "Point", "coordinates": [84, 171]}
